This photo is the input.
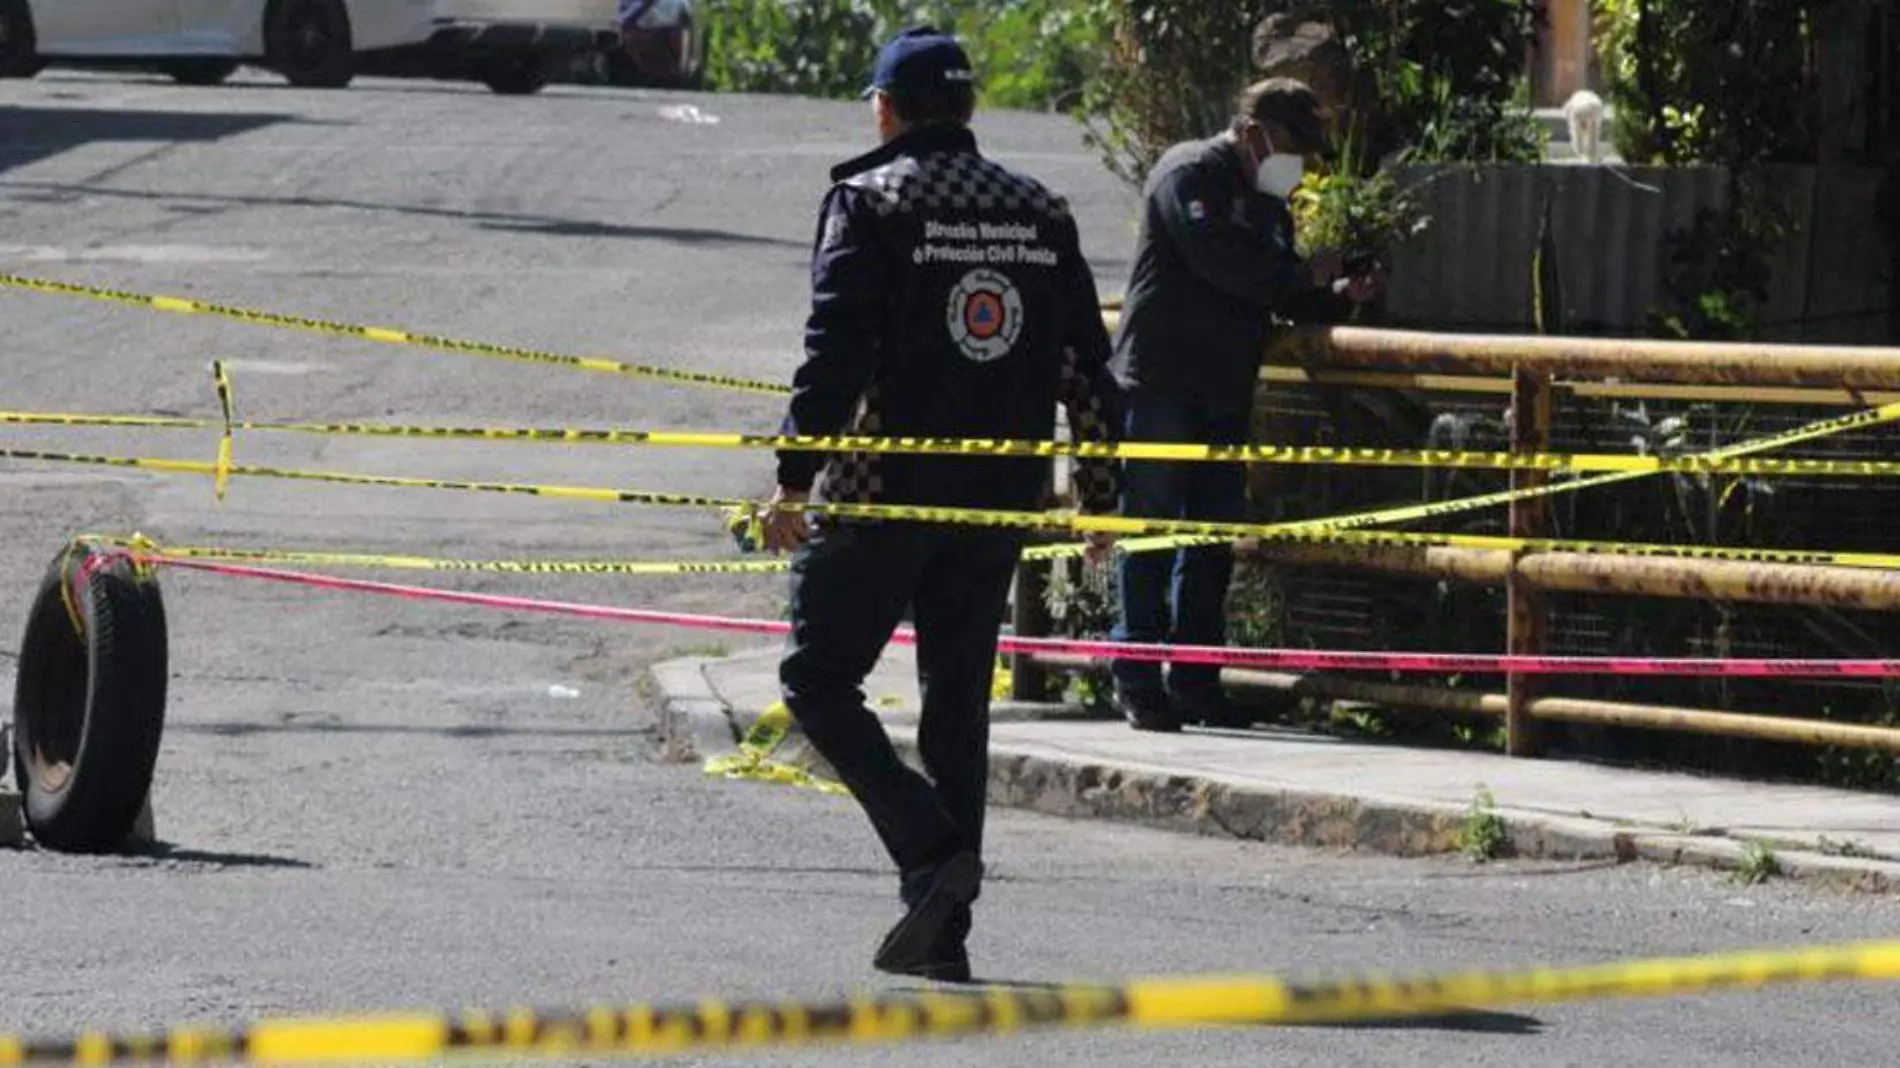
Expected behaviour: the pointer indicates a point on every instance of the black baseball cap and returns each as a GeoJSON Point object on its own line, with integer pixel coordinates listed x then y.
{"type": "Point", "coordinates": [920, 60]}
{"type": "Point", "coordinates": [1294, 106]}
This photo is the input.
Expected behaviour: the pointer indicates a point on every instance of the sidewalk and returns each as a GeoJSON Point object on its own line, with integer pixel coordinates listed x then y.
{"type": "Point", "coordinates": [1315, 790]}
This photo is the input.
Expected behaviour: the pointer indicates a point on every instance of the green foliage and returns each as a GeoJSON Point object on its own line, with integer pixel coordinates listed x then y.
{"type": "Point", "coordinates": [1452, 128]}
{"type": "Point", "coordinates": [1256, 604]}
{"type": "Point", "coordinates": [1082, 603]}
{"type": "Point", "coordinates": [1757, 864]}
{"type": "Point", "coordinates": [1715, 82]}
{"type": "Point", "coordinates": [1708, 80]}
{"type": "Point", "coordinates": [1716, 272]}
{"type": "Point", "coordinates": [1027, 53]}
{"type": "Point", "coordinates": [809, 47]}
{"type": "Point", "coordinates": [1034, 54]}
{"type": "Point", "coordinates": [1483, 836]}
{"type": "Point", "coordinates": [1354, 213]}
{"type": "Point", "coordinates": [1170, 72]}
{"type": "Point", "coordinates": [1446, 77]}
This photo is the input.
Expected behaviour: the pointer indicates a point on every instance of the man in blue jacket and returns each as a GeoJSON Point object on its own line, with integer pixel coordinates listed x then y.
{"type": "Point", "coordinates": [949, 299]}
{"type": "Point", "coordinates": [1214, 261]}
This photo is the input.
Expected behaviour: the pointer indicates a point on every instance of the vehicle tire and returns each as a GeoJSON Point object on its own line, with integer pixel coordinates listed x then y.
{"type": "Point", "coordinates": [514, 75]}
{"type": "Point", "coordinates": [309, 43]}
{"type": "Point", "coordinates": [89, 703]}
{"type": "Point", "coordinates": [206, 71]}
{"type": "Point", "coordinates": [19, 46]}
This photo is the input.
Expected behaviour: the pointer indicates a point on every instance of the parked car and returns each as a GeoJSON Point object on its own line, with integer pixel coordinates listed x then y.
{"type": "Point", "coordinates": [312, 43]}
{"type": "Point", "coordinates": [513, 48]}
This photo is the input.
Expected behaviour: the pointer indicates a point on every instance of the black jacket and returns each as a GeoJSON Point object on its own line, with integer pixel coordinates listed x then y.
{"type": "Point", "coordinates": [1215, 257]}
{"type": "Point", "coordinates": [949, 299]}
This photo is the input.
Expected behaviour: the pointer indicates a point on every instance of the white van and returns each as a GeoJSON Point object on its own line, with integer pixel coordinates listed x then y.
{"type": "Point", "coordinates": [511, 47]}
{"type": "Point", "coordinates": [313, 43]}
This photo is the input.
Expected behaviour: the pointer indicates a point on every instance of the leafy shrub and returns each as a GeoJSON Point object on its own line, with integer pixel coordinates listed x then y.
{"type": "Point", "coordinates": [1028, 53]}
{"type": "Point", "coordinates": [1170, 72]}
{"type": "Point", "coordinates": [806, 47]}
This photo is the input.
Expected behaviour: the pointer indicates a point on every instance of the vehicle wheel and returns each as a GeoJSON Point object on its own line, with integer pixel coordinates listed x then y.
{"type": "Point", "coordinates": [89, 703]}
{"type": "Point", "coordinates": [19, 57]}
{"type": "Point", "coordinates": [309, 43]}
{"type": "Point", "coordinates": [514, 75]}
{"type": "Point", "coordinates": [208, 71]}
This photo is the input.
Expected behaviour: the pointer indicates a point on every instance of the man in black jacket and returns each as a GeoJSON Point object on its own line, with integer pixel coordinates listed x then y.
{"type": "Point", "coordinates": [1215, 259]}
{"type": "Point", "coordinates": [949, 299]}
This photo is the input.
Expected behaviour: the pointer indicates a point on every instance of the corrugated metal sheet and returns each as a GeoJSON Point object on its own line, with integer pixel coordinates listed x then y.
{"type": "Point", "coordinates": [1471, 269]}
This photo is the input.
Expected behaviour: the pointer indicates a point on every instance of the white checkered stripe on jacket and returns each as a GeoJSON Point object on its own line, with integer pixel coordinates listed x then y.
{"type": "Point", "coordinates": [956, 181]}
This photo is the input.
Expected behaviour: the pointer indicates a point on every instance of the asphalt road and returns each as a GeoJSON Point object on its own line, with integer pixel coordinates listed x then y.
{"type": "Point", "coordinates": [377, 804]}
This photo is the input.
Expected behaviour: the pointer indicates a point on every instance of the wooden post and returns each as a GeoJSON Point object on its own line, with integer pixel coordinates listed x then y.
{"type": "Point", "coordinates": [1528, 616]}
{"type": "Point", "coordinates": [1029, 615]}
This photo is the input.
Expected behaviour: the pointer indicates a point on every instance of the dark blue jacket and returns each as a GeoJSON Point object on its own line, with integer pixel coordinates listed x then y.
{"type": "Point", "coordinates": [950, 299]}
{"type": "Point", "coordinates": [1215, 258]}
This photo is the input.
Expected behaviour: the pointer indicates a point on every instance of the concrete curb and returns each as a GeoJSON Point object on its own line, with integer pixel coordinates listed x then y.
{"type": "Point", "coordinates": [1024, 777]}
{"type": "Point", "coordinates": [695, 724]}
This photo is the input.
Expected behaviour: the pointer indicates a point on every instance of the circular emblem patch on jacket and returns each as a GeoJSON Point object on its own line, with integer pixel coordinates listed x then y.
{"type": "Point", "coordinates": [985, 315]}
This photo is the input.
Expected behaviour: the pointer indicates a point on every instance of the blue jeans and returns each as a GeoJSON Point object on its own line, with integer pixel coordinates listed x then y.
{"type": "Point", "coordinates": [1179, 598]}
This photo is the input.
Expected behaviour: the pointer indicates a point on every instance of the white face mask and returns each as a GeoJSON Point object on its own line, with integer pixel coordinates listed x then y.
{"type": "Point", "coordinates": [1280, 174]}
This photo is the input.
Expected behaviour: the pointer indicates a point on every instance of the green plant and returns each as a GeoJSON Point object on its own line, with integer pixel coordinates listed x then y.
{"type": "Point", "coordinates": [1487, 738]}
{"type": "Point", "coordinates": [1033, 54]}
{"type": "Point", "coordinates": [1081, 601]}
{"type": "Point", "coordinates": [1454, 128]}
{"type": "Point", "coordinates": [1256, 604]}
{"type": "Point", "coordinates": [1444, 78]}
{"type": "Point", "coordinates": [1716, 82]}
{"type": "Point", "coordinates": [1716, 273]}
{"type": "Point", "coordinates": [1757, 863]}
{"type": "Point", "coordinates": [805, 47]}
{"type": "Point", "coordinates": [1483, 836]}
{"type": "Point", "coordinates": [826, 47]}
{"type": "Point", "coordinates": [1170, 72]}
{"type": "Point", "coordinates": [1355, 213]}
{"type": "Point", "coordinates": [1708, 80]}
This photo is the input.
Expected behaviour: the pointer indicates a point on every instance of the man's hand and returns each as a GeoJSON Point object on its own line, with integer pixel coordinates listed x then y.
{"type": "Point", "coordinates": [786, 530]}
{"type": "Point", "coordinates": [1098, 546]}
{"type": "Point", "coordinates": [1325, 267]}
{"type": "Point", "coordinates": [1365, 288]}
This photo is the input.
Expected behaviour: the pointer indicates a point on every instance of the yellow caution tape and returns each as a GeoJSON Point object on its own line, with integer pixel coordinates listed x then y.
{"type": "Point", "coordinates": [391, 336]}
{"type": "Point", "coordinates": [1557, 463]}
{"type": "Point", "coordinates": [1132, 526]}
{"type": "Point", "coordinates": [406, 562]}
{"type": "Point", "coordinates": [1153, 1003]}
{"type": "Point", "coordinates": [779, 565]}
{"type": "Point", "coordinates": [223, 382]}
{"type": "Point", "coordinates": [909, 513]}
{"type": "Point", "coordinates": [754, 759]}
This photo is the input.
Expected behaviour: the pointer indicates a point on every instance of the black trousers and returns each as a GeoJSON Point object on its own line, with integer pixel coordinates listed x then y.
{"type": "Point", "coordinates": [850, 586]}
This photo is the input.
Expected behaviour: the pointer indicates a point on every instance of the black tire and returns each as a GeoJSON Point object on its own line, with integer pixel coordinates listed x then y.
{"type": "Point", "coordinates": [89, 703]}
{"type": "Point", "coordinates": [207, 71]}
{"type": "Point", "coordinates": [514, 75]}
{"type": "Point", "coordinates": [309, 42]}
{"type": "Point", "coordinates": [19, 46]}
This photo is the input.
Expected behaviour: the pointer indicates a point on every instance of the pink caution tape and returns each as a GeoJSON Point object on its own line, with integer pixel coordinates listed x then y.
{"type": "Point", "coordinates": [1264, 659]}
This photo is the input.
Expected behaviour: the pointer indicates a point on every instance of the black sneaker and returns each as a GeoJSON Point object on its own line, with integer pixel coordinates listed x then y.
{"type": "Point", "coordinates": [915, 945]}
{"type": "Point", "coordinates": [1147, 710]}
{"type": "Point", "coordinates": [1209, 707]}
